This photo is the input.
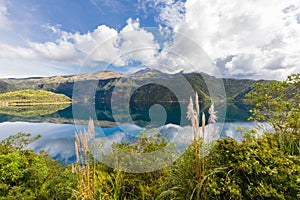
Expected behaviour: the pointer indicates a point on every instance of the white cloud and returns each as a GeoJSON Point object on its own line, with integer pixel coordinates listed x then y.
{"type": "Point", "coordinates": [103, 44]}
{"type": "Point", "coordinates": [97, 39]}
{"type": "Point", "coordinates": [184, 54]}
{"type": "Point", "coordinates": [11, 52]}
{"type": "Point", "coordinates": [170, 12]}
{"type": "Point", "coordinates": [137, 43]}
{"type": "Point", "coordinates": [262, 37]}
{"type": "Point", "coordinates": [108, 45]}
{"type": "Point", "coordinates": [253, 39]}
{"type": "Point", "coordinates": [61, 51]}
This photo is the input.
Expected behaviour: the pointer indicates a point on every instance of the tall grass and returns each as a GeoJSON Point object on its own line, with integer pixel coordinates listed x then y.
{"type": "Point", "coordinates": [193, 116]}
{"type": "Point", "coordinates": [185, 178]}
{"type": "Point", "coordinates": [98, 181]}
{"type": "Point", "coordinates": [187, 175]}
{"type": "Point", "coordinates": [86, 186]}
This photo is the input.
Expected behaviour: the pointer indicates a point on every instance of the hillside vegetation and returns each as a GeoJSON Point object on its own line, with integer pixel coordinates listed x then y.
{"type": "Point", "coordinates": [105, 82]}
{"type": "Point", "coordinates": [31, 97]}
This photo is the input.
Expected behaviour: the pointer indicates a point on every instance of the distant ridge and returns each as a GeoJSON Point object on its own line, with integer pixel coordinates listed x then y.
{"type": "Point", "coordinates": [147, 70]}
{"type": "Point", "coordinates": [235, 89]}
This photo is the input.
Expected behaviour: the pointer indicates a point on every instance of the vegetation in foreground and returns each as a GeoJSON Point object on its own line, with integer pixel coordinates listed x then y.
{"type": "Point", "coordinates": [260, 167]}
{"type": "Point", "coordinates": [27, 175]}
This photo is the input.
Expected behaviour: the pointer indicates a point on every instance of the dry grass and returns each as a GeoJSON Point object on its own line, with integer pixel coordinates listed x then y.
{"type": "Point", "coordinates": [193, 115]}
{"type": "Point", "coordinates": [82, 167]}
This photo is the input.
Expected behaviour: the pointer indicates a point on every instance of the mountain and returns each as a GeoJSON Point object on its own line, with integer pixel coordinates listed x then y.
{"type": "Point", "coordinates": [145, 85]}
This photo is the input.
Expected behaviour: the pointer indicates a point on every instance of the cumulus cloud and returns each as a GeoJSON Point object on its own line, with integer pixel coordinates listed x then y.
{"type": "Point", "coordinates": [245, 39]}
{"type": "Point", "coordinates": [137, 43]}
{"type": "Point", "coordinates": [74, 47]}
{"type": "Point", "coordinates": [248, 39]}
{"type": "Point", "coordinates": [102, 44]}
{"type": "Point", "coordinates": [86, 43]}
{"type": "Point", "coordinates": [261, 39]}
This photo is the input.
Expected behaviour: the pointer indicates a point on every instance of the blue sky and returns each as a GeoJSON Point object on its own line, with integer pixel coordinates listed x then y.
{"type": "Point", "coordinates": [240, 39]}
{"type": "Point", "coordinates": [76, 16]}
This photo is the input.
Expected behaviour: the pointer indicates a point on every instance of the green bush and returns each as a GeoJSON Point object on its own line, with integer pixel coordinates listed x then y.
{"type": "Point", "coordinates": [256, 169]}
{"type": "Point", "coordinates": [27, 175]}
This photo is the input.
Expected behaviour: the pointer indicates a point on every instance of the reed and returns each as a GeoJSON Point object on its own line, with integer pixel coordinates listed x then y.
{"type": "Point", "coordinates": [202, 146]}
{"type": "Point", "coordinates": [193, 116]}
{"type": "Point", "coordinates": [82, 168]}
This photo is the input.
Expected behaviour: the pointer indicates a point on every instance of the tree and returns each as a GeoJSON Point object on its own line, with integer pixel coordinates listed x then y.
{"type": "Point", "coordinates": [277, 103]}
{"type": "Point", "coordinates": [27, 175]}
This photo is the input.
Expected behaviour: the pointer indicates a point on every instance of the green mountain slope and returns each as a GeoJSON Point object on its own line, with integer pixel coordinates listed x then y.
{"type": "Point", "coordinates": [106, 81]}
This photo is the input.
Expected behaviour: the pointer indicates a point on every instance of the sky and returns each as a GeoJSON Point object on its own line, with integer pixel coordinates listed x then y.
{"type": "Point", "coordinates": [253, 39]}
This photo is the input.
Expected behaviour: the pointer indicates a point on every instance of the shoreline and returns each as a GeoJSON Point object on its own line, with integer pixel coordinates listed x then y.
{"type": "Point", "coordinates": [15, 104]}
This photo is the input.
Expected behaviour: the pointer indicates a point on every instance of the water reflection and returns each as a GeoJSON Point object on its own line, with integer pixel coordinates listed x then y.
{"type": "Point", "coordinates": [57, 129]}
{"type": "Point", "coordinates": [139, 114]}
{"type": "Point", "coordinates": [58, 139]}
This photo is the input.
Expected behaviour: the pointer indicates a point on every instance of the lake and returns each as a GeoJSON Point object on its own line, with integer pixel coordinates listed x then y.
{"type": "Point", "coordinates": [58, 128]}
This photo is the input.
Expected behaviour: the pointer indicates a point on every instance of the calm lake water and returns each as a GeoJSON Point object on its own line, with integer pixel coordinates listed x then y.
{"type": "Point", "coordinates": [58, 128]}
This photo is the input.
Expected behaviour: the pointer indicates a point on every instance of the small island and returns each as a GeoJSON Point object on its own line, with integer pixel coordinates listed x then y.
{"type": "Point", "coordinates": [32, 97]}
{"type": "Point", "coordinates": [30, 103]}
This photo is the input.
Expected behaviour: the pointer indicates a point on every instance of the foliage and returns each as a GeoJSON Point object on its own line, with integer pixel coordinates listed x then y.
{"type": "Point", "coordinates": [256, 168]}
{"type": "Point", "coordinates": [98, 181]}
{"type": "Point", "coordinates": [277, 103]}
{"type": "Point", "coordinates": [27, 175]}
{"type": "Point", "coordinates": [188, 175]}
{"type": "Point", "coordinates": [16, 142]}
{"type": "Point", "coordinates": [139, 185]}
{"type": "Point", "coordinates": [145, 142]}
{"type": "Point", "coordinates": [253, 169]}
{"type": "Point", "coordinates": [183, 181]}
{"type": "Point", "coordinates": [265, 167]}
